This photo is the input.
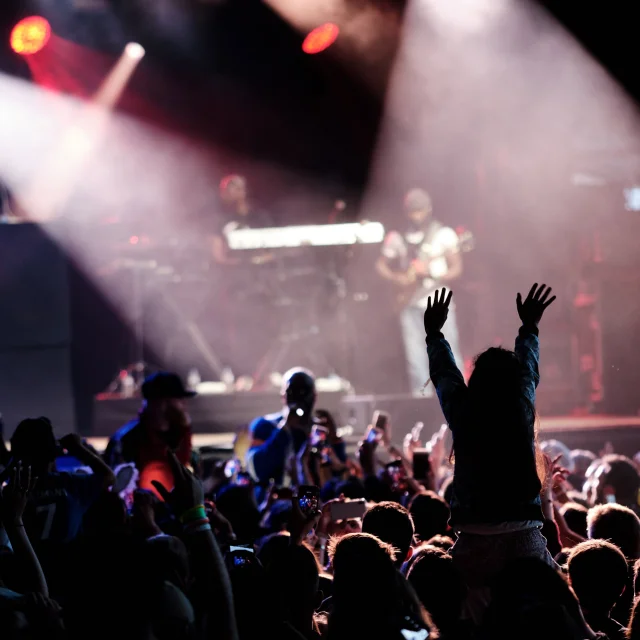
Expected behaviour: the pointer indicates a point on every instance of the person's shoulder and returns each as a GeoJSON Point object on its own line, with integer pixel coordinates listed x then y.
{"type": "Point", "coordinates": [446, 236]}
{"type": "Point", "coordinates": [262, 427]}
{"type": "Point", "coordinates": [393, 235]}
{"type": "Point", "coordinates": [129, 428]}
{"type": "Point", "coordinates": [393, 244]}
{"type": "Point", "coordinates": [443, 231]}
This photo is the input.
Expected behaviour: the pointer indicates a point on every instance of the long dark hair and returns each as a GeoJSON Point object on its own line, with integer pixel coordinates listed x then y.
{"type": "Point", "coordinates": [501, 419]}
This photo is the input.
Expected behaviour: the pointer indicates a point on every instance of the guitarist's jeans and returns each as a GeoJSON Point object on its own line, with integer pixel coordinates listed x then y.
{"type": "Point", "coordinates": [412, 322]}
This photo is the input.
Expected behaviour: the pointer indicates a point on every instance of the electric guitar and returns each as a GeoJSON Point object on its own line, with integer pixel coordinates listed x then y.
{"type": "Point", "coordinates": [428, 255]}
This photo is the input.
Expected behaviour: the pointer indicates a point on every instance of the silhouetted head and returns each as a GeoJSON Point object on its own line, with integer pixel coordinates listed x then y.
{"type": "Point", "coordinates": [238, 505]}
{"type": "Point", "coordinates": [364, 573]}
{"type": "Point", "coordinates": [575, 515]}
{"type": "Point", "coordinates": [617, 524]}
{"type": "Point", "coordinates": [299, 388]}
{"type": "Point", "coordinates": [392, 523]}
{"type": "Point", "coordinates": [295, 578]}
{"type": "Point", "coordinates": [430, 515]}
{"type": "Point", "coordinates": [501, 413]}
{"type": "Point", "coordinates": [34, 443]}
{"type": "Point", "coordinates": [617, 476]}
{"type": "Point", "coordinates": [438, 586]}
{"type": "Point", "coordinates": [371, 599]}
{"type": "Point", "coordinates": [495, 372]}
{"type": "Point", "coordinates": [598, 573]}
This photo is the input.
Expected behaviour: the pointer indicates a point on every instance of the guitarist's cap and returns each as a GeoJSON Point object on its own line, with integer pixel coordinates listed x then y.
{"type": "Point", "coordinates": [417, 200]}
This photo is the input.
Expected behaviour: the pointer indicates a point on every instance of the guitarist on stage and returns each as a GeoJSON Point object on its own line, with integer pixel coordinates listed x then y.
{"type": "Point", "coordinates": [421, 258]}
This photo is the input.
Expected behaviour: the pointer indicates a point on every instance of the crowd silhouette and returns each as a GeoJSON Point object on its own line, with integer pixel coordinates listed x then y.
{"type": "Point", "coordinates": [294, 538]}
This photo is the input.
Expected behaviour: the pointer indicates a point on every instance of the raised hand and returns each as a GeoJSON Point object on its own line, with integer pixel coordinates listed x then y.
{"type": "Point", "coordinates": [15, 494]}
{"type": "Point", "coordinates": [325, 418]}
{"type": "Point", "coordinates": [72, 442]}
{"type": "Point", "coordinates": [187, 492]}
{"type": "Point", "coordinates": [531, 310]}
{"type": "Point", "coordinates": [437, 311]}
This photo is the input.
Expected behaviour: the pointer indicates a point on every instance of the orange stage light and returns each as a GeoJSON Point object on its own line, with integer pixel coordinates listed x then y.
{"type": "Point", "coordinates": [30, 35]}
{"type": "Point", "coordinates": [321, 38]}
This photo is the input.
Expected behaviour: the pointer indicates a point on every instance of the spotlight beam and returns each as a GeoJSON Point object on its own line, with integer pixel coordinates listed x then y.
{"type": "Point", "coordinates": [56, 181]}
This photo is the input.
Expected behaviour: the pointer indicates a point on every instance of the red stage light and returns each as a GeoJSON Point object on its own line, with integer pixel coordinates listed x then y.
{"type": "Point", "coordinates": [30, 35]}
{"type": "Point", "coordinates": [321, 38]}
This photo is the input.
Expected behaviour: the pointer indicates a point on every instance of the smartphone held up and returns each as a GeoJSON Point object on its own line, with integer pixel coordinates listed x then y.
{"type": "Point", "coordinates": [308, 499]}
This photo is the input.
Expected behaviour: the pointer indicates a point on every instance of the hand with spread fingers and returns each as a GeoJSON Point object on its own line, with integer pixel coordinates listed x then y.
{"type": "Point", "coordinates": [437, 311]}
{"type": "Point", "coordinates": [536, 303]}
{"type": "Point", "coordinates": [187, 491]}
{"type": "Point", "coordinates": [16, 493]}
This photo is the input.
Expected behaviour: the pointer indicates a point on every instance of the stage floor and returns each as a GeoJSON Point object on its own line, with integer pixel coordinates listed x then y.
{"type": "Point", "coordinates": [589, 422]}
{"type": "Point", "coordinates": [577, 432]}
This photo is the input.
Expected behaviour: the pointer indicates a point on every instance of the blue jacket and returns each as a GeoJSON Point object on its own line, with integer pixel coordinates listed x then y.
{"type": "Point", "coordinates": [268, 460]}
{"type": "Point", "coordinates": [505, 488]}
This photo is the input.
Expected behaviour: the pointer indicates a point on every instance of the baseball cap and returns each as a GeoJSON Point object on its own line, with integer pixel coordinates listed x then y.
{"type": "Point", "coordinates": [163, 385]}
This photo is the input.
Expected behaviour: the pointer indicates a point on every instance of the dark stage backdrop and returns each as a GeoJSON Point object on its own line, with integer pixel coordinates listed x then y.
{"type": "Point", "coordinates": [35, 329]}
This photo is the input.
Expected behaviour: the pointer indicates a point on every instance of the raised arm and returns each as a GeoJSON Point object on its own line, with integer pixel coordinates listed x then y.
{"type": "Point", "coordinates": [445, 375]}
{"type": "Point", "coordinates": [72, 442]}
{"type": "Point", "coordinates": [212, 594]}
{"type": "Point", "coordinates": [13, 503]}
{"type": "Point", "coordinates": [266, 459]}
{"type": "Point", "coordinates": [527, 347]}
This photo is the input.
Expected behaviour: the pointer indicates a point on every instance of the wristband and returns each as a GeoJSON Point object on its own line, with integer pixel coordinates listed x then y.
{"type": "Point", "coordinates": [195, 513]}
{"type": "Point", "coordinates": [200, 528]}
{"type": "Point", "coordinates": [195, 523]}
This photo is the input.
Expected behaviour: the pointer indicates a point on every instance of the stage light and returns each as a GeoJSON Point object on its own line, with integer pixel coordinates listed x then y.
{"type": "Point", "coordinates": [30, 35]}
{"type": "Point", "coordinates": [320, 38]}
{"type": "Point", "coordinates": [135, 51]}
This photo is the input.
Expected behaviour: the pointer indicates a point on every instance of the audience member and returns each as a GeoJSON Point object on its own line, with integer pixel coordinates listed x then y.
{"type": "Point", "coordinates": [162, 424]}
{"type": "Point", "coordinates": [633, 632]}
{"type": "Point", "coordinates": [430, 515]}
{"type": "Point", "coordinates": [441, 542]}
{"type": "Point", "coordinates": [617, 524]}
{"type": "Point", "coordinates": [280, 440]}
{"type": "Point", "coordinates": [439, 587]}
{"type": "Point", "coordinates": [63, 497]}
{"type": "Point", "coordinates": [391, 523]}
{"type": "Point", "coordinates": [370, 597]}
{"type": "Point", "coordinates": [621, 526]}
{"type": "Point", "coordinates": [496, 505]}
{"type": "Point", "coordinates": [575, 515]}
{"type": "Point", "coordinates": [582, 460]}
{"type": "Point", "coordinates": [617, 479]}
{"type": "Point", "coordinates": [295, 579]}
{"type": "Point", "coordinates": [598, 574]}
